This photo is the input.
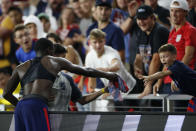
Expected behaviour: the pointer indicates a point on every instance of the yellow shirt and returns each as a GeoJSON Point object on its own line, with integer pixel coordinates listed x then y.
{"type": "Point", "coordinates": [6, 23]}
{"type": "Point", "coordinates": [8, 105]}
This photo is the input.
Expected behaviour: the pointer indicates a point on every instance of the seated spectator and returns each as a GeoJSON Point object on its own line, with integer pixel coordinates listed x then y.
{"type": "Point", "coordinates": [26, 50]}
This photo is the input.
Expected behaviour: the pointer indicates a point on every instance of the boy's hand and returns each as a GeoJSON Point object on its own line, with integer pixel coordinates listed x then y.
{"type": "Point", "coordinates": [156, 88]}
{"type": "Point", "coordinates": [174, 87]}
{"type": "Point", "coordinates": [147, 91]}
{"type": "Point", "coordinates": [146, 79]}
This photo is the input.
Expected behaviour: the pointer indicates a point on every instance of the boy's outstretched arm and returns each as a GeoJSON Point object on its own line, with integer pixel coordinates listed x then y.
{"type": "Point", "coordinates": [155, 76]}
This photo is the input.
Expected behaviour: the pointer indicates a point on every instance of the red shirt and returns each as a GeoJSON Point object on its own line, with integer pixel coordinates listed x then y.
{"type": "Point", "coordinates": [185, 36]}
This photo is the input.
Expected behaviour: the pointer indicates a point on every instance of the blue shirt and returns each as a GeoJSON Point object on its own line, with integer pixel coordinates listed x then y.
{"type": "Point", "coordinates": [114, 35]}
{"type": "Point", "coordinates": [23, 56]}
{"type": "Point", "coordinates": [184, 77]}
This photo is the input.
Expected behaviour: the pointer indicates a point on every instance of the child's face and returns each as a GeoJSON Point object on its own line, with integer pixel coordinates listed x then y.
{"type": "Point", "coordinates": [167, 58]}
{"type": "Point", "coordinates": [98, 45]}
{"type": "Point", "coordinates": [22, 37]}
{"type": "Point", "coordinates": [32, 28]}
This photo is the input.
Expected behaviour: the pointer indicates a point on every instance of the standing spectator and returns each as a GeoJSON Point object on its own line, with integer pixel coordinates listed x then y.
{"type": "Point", "coordinates": [106, 59]}
{"type": "Point", "coordinates": [26, 50]}
{"type": "Point", "coordinates": [7, 47]}
{"type": "Point", "coordinates": [75, 4]}
{"type": "Point", "coordinates": [162, 14]}
{"type": "Point", "coordinates": [182, 37]}
{"type": "Point", "coordinates": [192, 12]}
{"type": "Point", "coordinates": [118, 16]}
{"type": "Point", "coordinates": [86, 19]}
{"type": "Point", "coordinates": [69, 30]}
{"type": "Point", "coordinates": [5, 5]}
{"type": "Point", "coordinates": [44, 18]}
{"type": "Point", "coordinates": [165, 3]}
{"type": "Point", "coordinates": [68, 27]}
{"type": "Point", "coordinates": [23, 5]}
{"type": "Point", "coordinates": [130, 27]}
{"type": "Point", "coordinates": [52, 8]}
{"type": "Point", "coordinates": [150, 38]}
{"type": "Point", "coordinates": [115, 36]}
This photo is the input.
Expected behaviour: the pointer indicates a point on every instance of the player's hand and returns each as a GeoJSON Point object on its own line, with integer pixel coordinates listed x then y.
{"type": "Point", "coordinates": [113, 76]}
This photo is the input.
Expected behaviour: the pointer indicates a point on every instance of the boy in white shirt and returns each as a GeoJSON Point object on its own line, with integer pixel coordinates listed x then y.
{"type": "Point", "coordinates": [107, 59]}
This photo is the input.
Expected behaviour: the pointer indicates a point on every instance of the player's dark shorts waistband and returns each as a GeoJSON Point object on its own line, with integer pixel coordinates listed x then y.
{"type": "Point", "coordinates": [36, 96]}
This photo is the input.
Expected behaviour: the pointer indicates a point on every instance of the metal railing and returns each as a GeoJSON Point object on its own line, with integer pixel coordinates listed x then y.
{"type": "Point", "coordinates": [166, 100]}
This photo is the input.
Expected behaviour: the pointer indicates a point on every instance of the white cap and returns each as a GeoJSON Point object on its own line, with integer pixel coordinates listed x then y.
{"type": "Point", "coordinates": [181, 4]}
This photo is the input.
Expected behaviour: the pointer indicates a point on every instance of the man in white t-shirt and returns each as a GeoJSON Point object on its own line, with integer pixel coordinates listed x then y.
{"type": "Point", "coordinates": [107, 59]}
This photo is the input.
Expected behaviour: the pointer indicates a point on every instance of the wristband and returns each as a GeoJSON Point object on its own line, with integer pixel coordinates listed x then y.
{"type": "Point", "coordinates": [103, 90]}
{"type": "Point", "coordinates": [132, 17]}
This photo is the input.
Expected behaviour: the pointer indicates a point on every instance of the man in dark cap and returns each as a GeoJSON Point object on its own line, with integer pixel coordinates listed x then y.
{"type": "Point", "coordinates": [114, 35]}
{"type": "Point", "coordinates": [150, 38]}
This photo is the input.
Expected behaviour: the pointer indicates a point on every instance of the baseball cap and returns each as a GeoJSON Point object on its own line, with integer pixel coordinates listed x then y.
{"type": "Point", "coordinates": [107, 3]}
{"type": "Point", "coordinates": [181, 4]}
{"type": "Point", "coordinates": [43, 15]}
{"type": "Point", "coordinates": [144, 11]}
